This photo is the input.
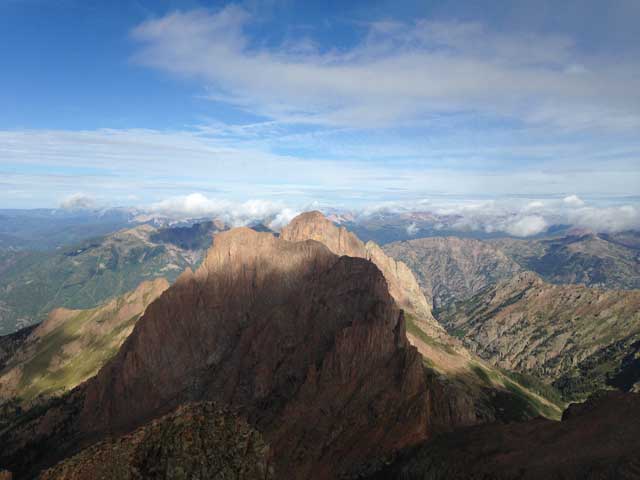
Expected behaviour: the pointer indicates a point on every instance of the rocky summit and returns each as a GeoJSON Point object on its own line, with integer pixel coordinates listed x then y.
{"type": "Point", "coordinates": [402, 284]}
{"type": "Point", "coordinates": [308, 346]}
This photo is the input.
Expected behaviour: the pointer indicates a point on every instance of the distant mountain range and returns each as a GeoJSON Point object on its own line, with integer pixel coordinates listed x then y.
{"type": "Point", "coordinates": [575, 337]}
{"type": "Point", "coordinates": [596, 260]}
{"type": "Point", "coordinates": [452, 268]}
{"type": "Point", "coordinates": [580, 339]}
{"type": "Point", "coordinates": [85, 275]}
{"type": "Point", "coordinates": [309, 353]}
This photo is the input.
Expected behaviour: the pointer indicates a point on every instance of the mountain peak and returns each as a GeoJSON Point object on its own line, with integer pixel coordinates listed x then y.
{"type": "Point", "coordinates": [299, 340]}
{"type": "Point", "coordinates": [403, 286]}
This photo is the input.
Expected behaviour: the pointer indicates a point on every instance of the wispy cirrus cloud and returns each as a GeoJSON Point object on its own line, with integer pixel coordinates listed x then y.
{"type": "Point", "coordinates": [398, 73]}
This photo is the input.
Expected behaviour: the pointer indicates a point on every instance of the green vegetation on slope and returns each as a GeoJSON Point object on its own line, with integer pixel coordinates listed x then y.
{"type": "Point", "coordinates": [72, 345]}
{"type": "Point", "coordinates": [86, 275]}
{"type": "Point", "coordinates": [511, 396]}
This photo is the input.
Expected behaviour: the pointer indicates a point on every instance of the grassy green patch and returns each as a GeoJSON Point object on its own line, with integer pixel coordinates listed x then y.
{"type": "Point", "coordinates": [416, 331]}
{"type": "Point", "coordinates": [537, 386]}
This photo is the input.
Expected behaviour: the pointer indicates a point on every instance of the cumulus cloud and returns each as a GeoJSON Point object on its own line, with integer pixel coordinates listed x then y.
{"type": "Point", "coordinates": [421, 68]}
{"type": "Point", "coordinates": [516, 217]}
{"type": "Point", "coordinates": [527, 226]}
{"type": "Point", "coordinates": [412, 229]}
{"type": "Point", "coordinates": [573, 201]}
{"type": "Point", "coordinates": [606, 219]}
{"type": "Point", "coordinates": [196, 205]}
{"type": "Point", "coordinates": [78, 201]}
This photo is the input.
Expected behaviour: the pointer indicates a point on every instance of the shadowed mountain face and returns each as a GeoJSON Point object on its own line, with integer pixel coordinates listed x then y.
{"type": "Point", "coordinates": [579, 338]}
{"type": "Point", "coordinates": [310, 347]}
{"type": "Point", "coordinates": [71, 345]}
{"type": "Point", "coordinates": [452, 269]}
{"type": "Point", "coordinates": [598, 440]}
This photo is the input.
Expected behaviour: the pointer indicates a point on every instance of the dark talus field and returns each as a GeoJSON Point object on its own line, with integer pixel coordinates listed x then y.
{"type": "Point", "coordinates": [311, 354]}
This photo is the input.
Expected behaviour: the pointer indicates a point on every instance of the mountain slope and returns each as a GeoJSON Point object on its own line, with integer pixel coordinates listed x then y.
{"type": "Point", "coordinates": [474, 391]}
{"type": "Point", "coordinates": [452, 269]}
{"type": "Point", "coordinates": [88, 274]}
{"type": "Point", "coordinates": [596, 260]}
{"type": "Point", "coordinates": [309, 346]}
{"type": "Point", "coordinates": [71, 345]}
{"type": "Point", "coordinates": [574, 336]}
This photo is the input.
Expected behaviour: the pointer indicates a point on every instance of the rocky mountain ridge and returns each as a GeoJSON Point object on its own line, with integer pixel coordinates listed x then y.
{"type": "Point", "coordinates": [451, 268]}
{"type": "Point", "coordinates": [274, 328]}
{"type": "Point", "coordinates": [599, 260]}
{"type": "Point", "coordinates": [573, 336]}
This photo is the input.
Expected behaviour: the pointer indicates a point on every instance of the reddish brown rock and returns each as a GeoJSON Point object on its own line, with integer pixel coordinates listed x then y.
{"type": "Point", "coordinates": [310, 347]}
{"type": "Point", "coordinates": [403, 285]}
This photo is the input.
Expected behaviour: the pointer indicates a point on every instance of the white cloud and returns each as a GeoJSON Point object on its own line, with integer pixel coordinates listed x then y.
{"type": "Point", "coordinates": [420, 69]}
{"type": "Point", "coordinates": [607, 219]}
{"type": "Point", "coordinates": [412, 229]}
{"type": "Point", "coordinates": [78, 201]}
{"type": "Point", "coordinates": [155, 165]}
{"type": "Point", "coordinates": [573, 201]}
{"type": "Point", "coordinates": [527, 226]}
{"type": "Point", "coordinates": [514, 216]}
{"type": "Point", "coordinates": [196, 205]}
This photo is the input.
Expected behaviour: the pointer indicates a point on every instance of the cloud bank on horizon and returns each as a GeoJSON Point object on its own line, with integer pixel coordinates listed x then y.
{"type": "Point", "coordinates": [348, 109]}
{"type": "Point", "coordinates": [517, 217]}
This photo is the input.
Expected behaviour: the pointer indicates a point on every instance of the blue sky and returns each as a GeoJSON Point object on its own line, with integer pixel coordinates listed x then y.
{"type": "Point", "coordinates": [327, 103]}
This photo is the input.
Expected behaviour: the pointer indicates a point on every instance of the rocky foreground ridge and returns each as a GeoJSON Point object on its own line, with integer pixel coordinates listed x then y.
{"type": "Point", "coordinates": [596, 440]}
{"type": "Point", "coordinates": [200, 440]}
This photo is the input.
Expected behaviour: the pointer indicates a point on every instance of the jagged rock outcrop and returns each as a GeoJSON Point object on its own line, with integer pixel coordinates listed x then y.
{"type": "Point", "coordinates": [310, 347]}
{"type": "Point", "coordinates": [575, 336]}
{"type": "Point", "coordinates": [459, 396]}
{"type": "Point", "coordinates": [403, 286]}
{"type": "Point", "coordinates": [71, 345]}
{"type": "Point", "coordinates": [198, 440]}
{"type": "Point", "coordinates": [453, 269]}
{"type": "Point", "coordinates": [598, 440]}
